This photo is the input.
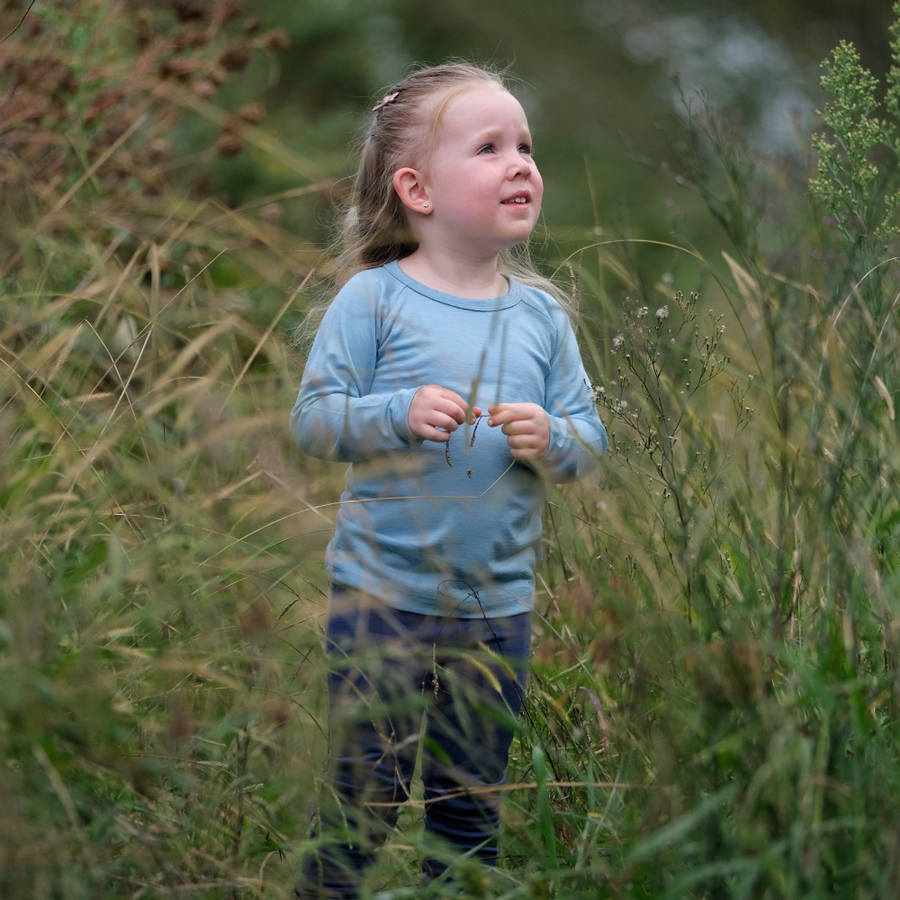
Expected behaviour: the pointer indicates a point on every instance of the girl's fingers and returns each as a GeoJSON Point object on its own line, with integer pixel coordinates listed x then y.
{"type": "Point", "coordinates": [526, 427]}
{"type": "Point", "coordinates": [453, 410]}
{"type": "Point", "coordinates": [436, 412]}
{"type": "Point", "coordinates": [467, 413]}
{"type": "Point", "coordinates": [442, 427]}
{"type": "Point", "coordinates": [506, 413]}
{"type": "Point", "coordinates": [452, 404]}
{"type": "Point", "coordinates": [522, 439]}
{"type": "Point", "coordinates": [519, 428]}
{"type": "Point", "coordinates": [448, 422]}
{"type": "Point", "coordinates": [503, 413]}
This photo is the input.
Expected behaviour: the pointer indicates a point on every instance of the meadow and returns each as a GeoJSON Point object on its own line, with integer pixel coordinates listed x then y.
{"type": "Point", "coordinates": [712, 710]}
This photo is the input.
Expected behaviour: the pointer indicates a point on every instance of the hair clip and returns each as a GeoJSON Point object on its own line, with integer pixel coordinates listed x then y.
{"type": "Point", "coordinates": [390, 98]}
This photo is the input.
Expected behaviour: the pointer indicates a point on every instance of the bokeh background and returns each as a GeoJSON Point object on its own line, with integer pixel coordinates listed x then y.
{"type": "Point", "coordinates": [604, 83]}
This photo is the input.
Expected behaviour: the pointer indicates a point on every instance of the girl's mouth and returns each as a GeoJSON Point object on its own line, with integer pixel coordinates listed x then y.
{"type": "Point", "coordinates": [520, 199]}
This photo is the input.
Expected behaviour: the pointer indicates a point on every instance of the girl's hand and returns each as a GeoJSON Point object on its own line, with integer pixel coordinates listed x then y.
{"type": "Point", "coordinates": [434, 407]}
{"type": "Point", "coordinates": [526, 427]}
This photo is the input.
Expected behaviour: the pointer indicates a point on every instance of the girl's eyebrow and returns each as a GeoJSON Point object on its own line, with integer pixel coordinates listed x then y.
{"type": "Point", "coordinates": [493, 133]}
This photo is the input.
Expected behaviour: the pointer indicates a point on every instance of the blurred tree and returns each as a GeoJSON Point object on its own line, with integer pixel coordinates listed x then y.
{"type": "Point", "coordinates": [597, 80]}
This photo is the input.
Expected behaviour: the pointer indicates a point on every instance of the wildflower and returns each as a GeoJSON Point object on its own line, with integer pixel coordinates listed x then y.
{"type": "Point", "coordinates": [277, 39]}
{"type": "Point", "coordinates": [253, 113]}
{"type": "Point", "coordinates": [229, 144]}
{"type": "Point", "coordinates": [662, 313]}
{"type": "Point", "coordinates": [618, 341]}
{"type": "Point", "coordinates": [235, 57]}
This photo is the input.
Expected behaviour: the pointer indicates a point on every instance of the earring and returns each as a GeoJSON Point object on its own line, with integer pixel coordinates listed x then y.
{"type": "Point", "coordinates": [426, 204]}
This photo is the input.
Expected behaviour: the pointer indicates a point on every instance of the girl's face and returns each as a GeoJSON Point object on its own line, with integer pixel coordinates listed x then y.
{"type": "Point", "coordinates": [483, 186]}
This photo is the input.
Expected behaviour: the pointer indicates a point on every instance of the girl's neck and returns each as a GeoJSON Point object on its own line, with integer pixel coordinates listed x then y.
{"type": "Point", "coordinates": [456, 274]}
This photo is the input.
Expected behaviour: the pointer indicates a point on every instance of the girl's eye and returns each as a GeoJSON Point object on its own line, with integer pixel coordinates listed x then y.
{"type": "Point", "coordinates": [487, 148]}
{"type": "Point", "coordinates": [527, 149]}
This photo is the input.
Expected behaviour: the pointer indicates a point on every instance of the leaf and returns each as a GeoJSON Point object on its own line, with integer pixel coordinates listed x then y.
{"type": "Point", "coordinates": [681, 827]}
{"type": "Point", "coordinates": [746, 284]}
{"type": "Point", "coordinates": [885, 394]}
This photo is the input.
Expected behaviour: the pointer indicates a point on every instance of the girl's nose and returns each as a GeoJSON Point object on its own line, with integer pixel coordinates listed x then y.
{"type": "Point", "coordinates": [521, 166]}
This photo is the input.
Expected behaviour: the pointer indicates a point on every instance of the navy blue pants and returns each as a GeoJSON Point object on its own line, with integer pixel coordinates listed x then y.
{"type": "Point", "coordinates": [387, 668]}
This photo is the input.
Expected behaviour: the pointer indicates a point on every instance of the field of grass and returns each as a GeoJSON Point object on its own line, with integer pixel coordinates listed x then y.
{"type": "Point", "coordinates": [712, 711]}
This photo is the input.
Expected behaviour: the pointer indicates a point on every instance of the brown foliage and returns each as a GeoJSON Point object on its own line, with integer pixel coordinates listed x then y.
{"type": "Point", "coordinates": [100, 115]}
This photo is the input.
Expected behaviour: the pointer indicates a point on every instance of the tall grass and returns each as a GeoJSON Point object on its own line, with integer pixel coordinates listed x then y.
{"type": "Point", "coordinates": [712, 708]}
{"type": "Point", "coordinates": [150, 659]}
{"type": "Point", "coordinates": [728, 603]}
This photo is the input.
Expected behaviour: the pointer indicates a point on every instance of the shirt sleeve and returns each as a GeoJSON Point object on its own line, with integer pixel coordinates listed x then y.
{"type": "Point", "coordinates": [577, 436]}
{"type": "Point", "coordinates": [335, 416]}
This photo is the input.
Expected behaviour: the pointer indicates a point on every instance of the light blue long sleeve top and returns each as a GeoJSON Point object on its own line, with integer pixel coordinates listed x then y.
{"type": "Point", "coordinates": [457, 539]}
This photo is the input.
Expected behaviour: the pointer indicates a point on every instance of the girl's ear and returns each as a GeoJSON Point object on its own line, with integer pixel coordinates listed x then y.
{"type": "Point", "coordinates": [412, 192]}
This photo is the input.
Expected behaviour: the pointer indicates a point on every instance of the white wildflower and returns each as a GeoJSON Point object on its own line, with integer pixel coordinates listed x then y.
{"type": "Point", "coordinates": [662, 313]}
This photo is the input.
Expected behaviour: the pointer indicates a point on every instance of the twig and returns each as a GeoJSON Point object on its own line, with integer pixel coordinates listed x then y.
{"type": "Point", "coordinates": [471, 444]}
{"type": "Point", "coordinates": [24, 17]}
{"type": "Point", "coordinates": [477, 423]}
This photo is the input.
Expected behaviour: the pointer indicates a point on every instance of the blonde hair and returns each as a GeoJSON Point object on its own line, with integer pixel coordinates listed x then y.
{"type": "Point", "coordinates": [401, 131]}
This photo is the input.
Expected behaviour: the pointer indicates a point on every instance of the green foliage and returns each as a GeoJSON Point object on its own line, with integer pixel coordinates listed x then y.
{"type": "Point", "coordinates": [143, 484]}
{"type": "Point", "coordinates": [739, 563]}
{"type": "Point", "coordinates": [857, 170]}
{"type": "Point", "coordinates": [847, 176]}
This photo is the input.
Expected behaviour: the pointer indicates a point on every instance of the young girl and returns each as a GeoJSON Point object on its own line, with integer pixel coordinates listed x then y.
{"type": "Point", "coordinates": [432, 561]}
